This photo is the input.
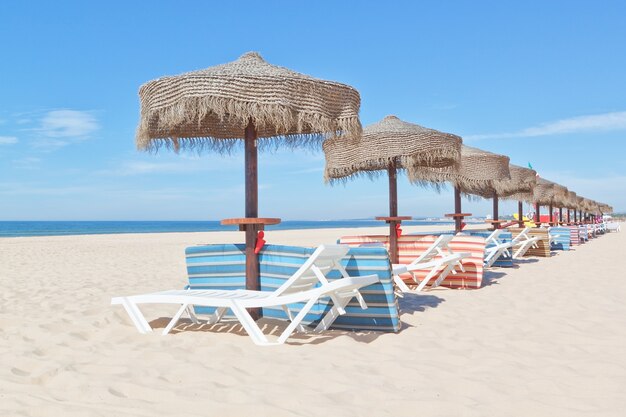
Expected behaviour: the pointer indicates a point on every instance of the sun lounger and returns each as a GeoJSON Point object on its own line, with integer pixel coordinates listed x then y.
{"type": "Point", "coordinates": [542, 245]}
{"type": "Point", "coordinates": [523, 242]}
{"type": "Point", "coordinates": [560, 237]}
{"type": "Point", "coordinates": [497, 247]}
{"type": "Point", "coordinates": [574, 235]}
{"type": "Point", "coordinates": [613, 227]}
{"type": "Point", "coordinates": [308, 284]}
{"type": "Point", "coordinates": [468, 274]}
{"type": "Point", "coordinates": [222, 266]}
{"type": "Point", "coordinates": [583, 233]}
{"type": "Point", "coordinates": [439, 260]}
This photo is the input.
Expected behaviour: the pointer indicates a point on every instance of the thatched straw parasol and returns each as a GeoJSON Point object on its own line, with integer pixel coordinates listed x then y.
{"type": "Point", "coordinates": [476, 175]}
{"type": "Point", "coordinates": [580, 206]}
{"type": "Point", "coordinates": [387, 146]}
{"type": "Point", "coordinates": [571, 204]}
{"type": "Point", "coordinates": [248, 99]}
{"type": "Point", "coordinates": [523, 181]}
{"type": "Point", "coordinates": [542, 195]}
{"type": "Point", "coordinates": [605, 208]}
{"type": "Point", "coordinates": [559, 199]}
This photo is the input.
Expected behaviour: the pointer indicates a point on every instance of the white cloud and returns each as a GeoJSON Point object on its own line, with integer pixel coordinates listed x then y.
{"type": "Point", "coordinates": [604, 122]}
{"type": "Point", "coordinates": [8, 140]}
{"type": "Point", "coordinates": [170, 164]}
{"type": "Point", "coordinates": [68, 124]}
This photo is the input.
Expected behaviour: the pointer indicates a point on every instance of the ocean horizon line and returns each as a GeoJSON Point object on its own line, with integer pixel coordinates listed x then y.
{"type": "Point", "coordinates": [33, 228]}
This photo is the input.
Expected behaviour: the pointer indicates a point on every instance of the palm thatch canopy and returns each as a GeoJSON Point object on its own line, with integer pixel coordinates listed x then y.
{"type": "Point", "coordinates": [571, 200]}
{"type": "Point", "coordinates": [523, 180]}
{"type": "Point", "coordinates": [605, 208]}
{"type": "Point", "coordinates": [211, 108]}
{"type": "Point", "coordinates": [580, 203]}
{"type": "Point", "coordinates": [476, 174]}
{"type": "Point", "coordinates": [541, 194]}
{"type": "Point", "coordinates": [560, 195]}
{"type": "Point", "coordinates": [591, 206]}
{"type": "Point", "coordinates": [390, 141]}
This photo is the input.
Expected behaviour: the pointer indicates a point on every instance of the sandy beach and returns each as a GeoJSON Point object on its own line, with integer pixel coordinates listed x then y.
{"type": "Point", "coordinates": [545, 338]}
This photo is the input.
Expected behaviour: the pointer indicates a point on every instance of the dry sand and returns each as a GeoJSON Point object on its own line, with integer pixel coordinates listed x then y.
{"type": "Point", "coordinates": [547, 338]}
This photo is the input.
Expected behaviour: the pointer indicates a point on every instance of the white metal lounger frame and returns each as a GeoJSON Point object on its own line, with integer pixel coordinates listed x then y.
{"type": "Point", "coordinates": [300, 287]}
{"type": "Point", "coordinates": [523, 242]}
{"type": "Point", "coordinates": [499, 248]}
{"type": "Point", "coordinates": [427, 261]}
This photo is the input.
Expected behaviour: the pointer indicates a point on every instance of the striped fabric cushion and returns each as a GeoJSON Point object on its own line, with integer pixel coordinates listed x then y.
{"type": "Point", "coordinates": [543, 244]}
{"type": "Point", "coordinates": [562, 241]}
{"type": "Point", "coordinates": [412, 246]}
{"type": "Point", "coordinates": [223, 267]}
{"type": "Point", "coordinates": [504, 261]}
{"type": "Point", "coordinates": [574, 235]}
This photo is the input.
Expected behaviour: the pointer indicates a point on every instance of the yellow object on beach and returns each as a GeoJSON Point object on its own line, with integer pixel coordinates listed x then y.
{"type": "Point", "coordinates": [527, 222]}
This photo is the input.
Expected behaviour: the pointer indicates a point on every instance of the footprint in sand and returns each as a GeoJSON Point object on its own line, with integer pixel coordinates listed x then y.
{"type": "Point", "coordinates": [19, 372]}
{"type": "Point", "coordinates": [116, 393]}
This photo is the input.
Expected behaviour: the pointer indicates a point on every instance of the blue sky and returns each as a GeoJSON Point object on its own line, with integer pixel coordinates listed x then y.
{"type": "Point", "coordinates": [542, 82]}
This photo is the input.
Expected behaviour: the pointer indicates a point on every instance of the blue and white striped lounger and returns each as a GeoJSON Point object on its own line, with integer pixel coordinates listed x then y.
{"type": "Point", "coordinates": [223, 267]}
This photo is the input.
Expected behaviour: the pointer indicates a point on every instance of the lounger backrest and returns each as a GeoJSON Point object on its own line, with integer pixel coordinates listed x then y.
{"type": "Point", "coordinates": [493, 237]}
{"type": "Point", "coordinates": [325, 259]}
{"type": "Point", "coordinates": [492, 240]}
{"type": "Point", "coordinates": [522, 236]}
{"type": "Point", "coordinates": [439, 247]}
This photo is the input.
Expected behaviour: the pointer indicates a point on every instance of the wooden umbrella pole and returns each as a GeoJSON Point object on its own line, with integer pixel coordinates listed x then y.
{"type": "Point", "coordinates": [495, 210]}
{"type": "Point", "coordinates": [561, 214]}
{"type": "Point", "coordinates": [252, 210]}
{"type": "Point", "coordinates": [520, 213]}
{"type": "Point", "coordinates": [457, 210]}
{"type": "Point", "coordinates": [393, 211]}
{"type": "Point", "coordinates": [537, 212]}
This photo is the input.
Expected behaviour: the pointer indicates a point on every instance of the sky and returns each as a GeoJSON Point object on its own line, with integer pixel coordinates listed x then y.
{"type": "Point", "coordinates": [541, 82]}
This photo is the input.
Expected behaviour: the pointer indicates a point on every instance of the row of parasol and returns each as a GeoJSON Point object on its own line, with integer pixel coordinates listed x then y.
{"type": "Point", "coordinates": [265, 105]}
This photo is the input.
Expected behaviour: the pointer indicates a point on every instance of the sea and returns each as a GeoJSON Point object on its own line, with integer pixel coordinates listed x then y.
{"type": "Point", "coordinates": [63, 228]}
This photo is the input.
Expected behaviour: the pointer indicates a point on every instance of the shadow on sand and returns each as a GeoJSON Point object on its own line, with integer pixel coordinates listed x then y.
{"type": "Point", "coordinates": [271, 328]}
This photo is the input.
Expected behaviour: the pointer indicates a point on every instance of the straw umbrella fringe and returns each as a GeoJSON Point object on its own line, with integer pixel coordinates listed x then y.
{"type": "Point", "coordinates": [476, 173]}
{"type": "Point", "coordinates": [389, 141]}
{"type": "Point", "coordinates": [212, 107]}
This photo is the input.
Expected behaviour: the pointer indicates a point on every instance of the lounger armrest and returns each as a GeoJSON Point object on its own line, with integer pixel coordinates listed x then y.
{"type": "Point", "coordinates": [399, 269]}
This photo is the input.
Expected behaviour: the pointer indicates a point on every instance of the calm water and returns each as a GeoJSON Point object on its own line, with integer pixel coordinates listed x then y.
{"type": "Point", "coordinates": [60, 228]}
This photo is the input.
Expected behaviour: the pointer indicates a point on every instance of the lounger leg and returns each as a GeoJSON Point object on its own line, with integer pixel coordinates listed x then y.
{"type": "Point", "coordinates": [400, 284]}
{"type": "Point", "coordinates": [297, 320]}
{"type": "Point", "coordinates": [249, 325]}
{"type": "Point", "coordinates": [444, 274]}
{"type": "Point", "coordinates": [330, 317]}
{"type": "Point", "coordinates": [175, 319]}
{"type": "Point", "coordinates": [290, 317]}
{"type": "Point", "coordinates": [427, 278]}
{"type": "Point", "coordinates": [136, 316]}
{"type": "Point", "coordinates": [192, 315]}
